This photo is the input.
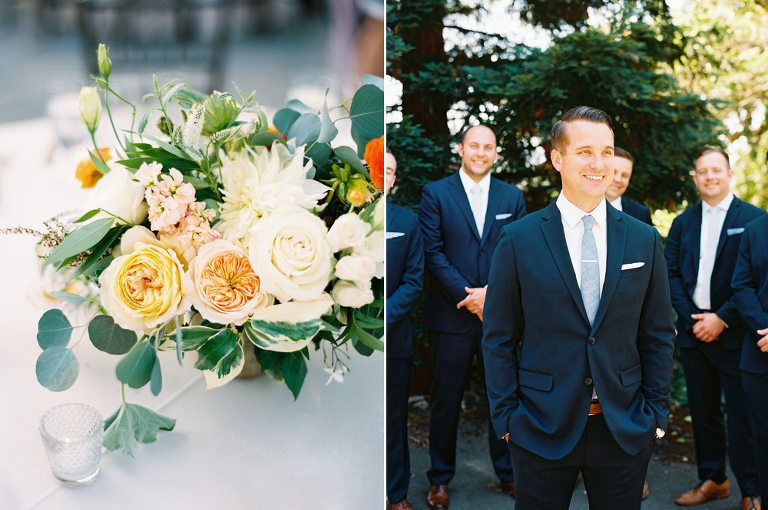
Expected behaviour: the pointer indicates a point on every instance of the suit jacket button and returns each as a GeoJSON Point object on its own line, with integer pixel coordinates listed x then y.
{"type": "Point", "coordinates": [482, 253]}
{"type": "Point", "coordinates": [592, 340]}
{"type": "Point", "coordinates": [588, 381]}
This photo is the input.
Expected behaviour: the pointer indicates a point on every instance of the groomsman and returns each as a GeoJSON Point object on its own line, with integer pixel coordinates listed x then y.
{"type": "Point", "coordinates": [622, 164]}
{"type": "Point", "coordinates": [750, 295]}
{"type": "Point", "coordinates": [461, 218]}
{"type": "Point", "coordinates": [701, 252]}
{"type": "Point", "coordinates": [405, 274]}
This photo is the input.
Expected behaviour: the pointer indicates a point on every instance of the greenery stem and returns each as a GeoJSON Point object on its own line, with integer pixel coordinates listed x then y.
{"type": "Point", "coordinates": [98, 152]}
{"type": "Point", "coordinates": [114, 129]}
{"type": "Point", "coordinates": [333, 190]}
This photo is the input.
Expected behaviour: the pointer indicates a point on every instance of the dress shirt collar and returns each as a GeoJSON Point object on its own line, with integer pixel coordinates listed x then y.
{"type": "Point", "coordinates": [573, 215]}
{"type": "Point", "coordinates": [468, 183]}
{"type": "Point", "coordinates": [617, 204]}
{"type": "Point", "coordinates": [724, 204]}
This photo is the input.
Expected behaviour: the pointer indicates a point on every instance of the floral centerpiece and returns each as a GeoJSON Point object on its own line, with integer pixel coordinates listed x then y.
{"type": "Point", "coordinates": [223, 236]}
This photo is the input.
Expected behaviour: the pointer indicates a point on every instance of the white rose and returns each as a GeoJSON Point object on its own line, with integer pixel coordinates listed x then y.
{"type": "Point", "coordinates": [354, 294]}
{"type": "Point", "coordinates": [347, 231]}
{"type": "Point", "coordinates": [374, 248]}
{"type": "Point", "coordinates": [117, 193]}
{"type": "Point", "coordinates": [355, 268]}
{"type": "Point", "coordinates": [291, 256]}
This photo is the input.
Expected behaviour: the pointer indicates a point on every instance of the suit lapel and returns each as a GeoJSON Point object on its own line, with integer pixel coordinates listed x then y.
{"type": "Point", "coordinates": [552, 228]}
{"type": "Point", "coordinates": [696, 236]}
{"type": "Point", "coordinates": [494, 200]}
{"type": "Point", "coordinates": [458, 193]}
{"type": "Point", "coordinates": [730, 219]}
{"type": "Point", "coordinates": [616, 237]}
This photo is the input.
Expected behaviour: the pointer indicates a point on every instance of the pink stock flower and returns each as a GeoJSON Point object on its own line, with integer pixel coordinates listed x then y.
{"type": "Point", "coordinates": [147, 174]}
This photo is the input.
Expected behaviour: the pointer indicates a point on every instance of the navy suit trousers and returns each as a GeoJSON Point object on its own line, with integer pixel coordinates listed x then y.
{"type": "Point", "coordinates": [399, 373]}
{"type": "Point", "coordinates": [710, 371]}
{"type": "Point", "coordinates": [756, 393]}
{"type": "Point", "coordinates": [452, 356]}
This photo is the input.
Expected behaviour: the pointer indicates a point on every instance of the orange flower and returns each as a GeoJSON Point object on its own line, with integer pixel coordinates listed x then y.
{"type": "Point", "coordinates": [273, 129]}
{"type": "Point", "coordinates": [87, 172]}
{"type": "Point", "coordinates": [374, 156]}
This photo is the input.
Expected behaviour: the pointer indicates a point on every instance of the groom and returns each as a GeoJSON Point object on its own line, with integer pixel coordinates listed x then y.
{"type": "Point", "coordinates": [584, 289]}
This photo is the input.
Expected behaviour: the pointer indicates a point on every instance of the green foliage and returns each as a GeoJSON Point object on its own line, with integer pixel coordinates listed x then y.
{"type": "Point", "coordinates": [288, 367]}
{"type": "Point", "coordinates": [81, 240]}
{"type": "Point", "coordinates": [133, 421]}
{"type": "Point", "coordinates": [367, 111]}
{"type": "Point", "coordinates": [53, 329]}
{"type": "Point", "coordinates": [220, 353]}
{"type": "Point", "coordinates": [135, 369]}
{"type": "Point", "coordinates": [280, 336]}
{"type": "Point", "coordinates": [57, 368]}
{"type": "Point", "coordinates": [109, 337]}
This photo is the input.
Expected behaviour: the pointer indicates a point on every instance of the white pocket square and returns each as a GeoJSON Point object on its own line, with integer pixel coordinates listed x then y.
{"type": "Point", "coordinates": [503, 216]}
{"type": "Point", "coordinates": [633, 265]}
{"type": "Point", "coordinates": [392, 235]}
{"type": "Point", "coordinates": [734, 231]}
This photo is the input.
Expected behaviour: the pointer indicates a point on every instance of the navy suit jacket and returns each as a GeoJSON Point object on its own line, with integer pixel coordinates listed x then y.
{"type": "Point", "coordinates": [533, 297]}
{"type": "Point", "coordinates": [456, 254]}
{"type": "Point", "coordinates": [750, 292]}
{"type": "Point", "coordinates": [405, 278]}
{"type": "Point", "coordinates": [636, 210]}
{"type": "Point", "coordinates": [682, 251]}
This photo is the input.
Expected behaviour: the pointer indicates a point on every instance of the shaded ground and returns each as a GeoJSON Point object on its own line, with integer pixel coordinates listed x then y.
{"type": "Point", "coordinates": [672, 469]}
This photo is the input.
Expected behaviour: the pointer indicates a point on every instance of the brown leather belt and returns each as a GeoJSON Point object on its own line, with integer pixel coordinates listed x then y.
{"type": "Point", "coordinates": [595, 408]}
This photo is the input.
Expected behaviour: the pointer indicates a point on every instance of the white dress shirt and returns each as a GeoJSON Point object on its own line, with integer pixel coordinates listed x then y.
{"type": "Point", "coordinates": [712, 219]}
{"type": "Point", "coordinates": [485, 186]}
{"type": "Point", "coordinates": [573, 227]}
{"type": "Point", "coordinates": [617, 204]}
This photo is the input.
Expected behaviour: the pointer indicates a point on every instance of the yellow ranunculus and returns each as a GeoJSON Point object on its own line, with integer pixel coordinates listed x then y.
{"type": "Point", "coordinates": [145, 287]}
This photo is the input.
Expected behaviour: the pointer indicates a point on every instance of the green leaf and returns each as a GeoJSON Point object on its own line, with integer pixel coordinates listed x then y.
{"type": "Point", "coordinates": [144, 120]}
{"type": "Point", "coordinates": [135, 369]}
{"type": "Point", "coordinates": [284, 119]}
{"type": "Point", "coordinates": [109, 337]}
{"type": "Point", "coordinates": [96, 269]}
{"type": "Point", "coordinates": [69, 297]}
{"type": "Point", "coordinates": [360, 141]}
{"type": "Point", "coordinates": [187, 97]}
{"type": "Point", "coordinates": [294, 371]}
{"type": "Point", "coordinates": [133, 421]}
{"type": "Point", "coordinates": [298, 106]}
{"type": "Point", "coordinates": [87, 216]}
{"type": "Point", "coordinates": [193, 337]}
{"type": "Point", "coordinates": [57, 368]}
{"type": "Point", "coordinates": [319, 152]}
{"type": "Point", "coordinates": [172, 93]}
{"type": "Point", "coordinates": [281, 336]}
{"type": "Point", "coordinates": [305, 130]}
{"type": "Point", "coordinates": [179, 341]}
{"type": "Point", "coordinates": [220, 112]}
{"type": "Point", "coordinates": [156, 381]}
{"type": "Point", "coordinates": [97, 252]}
{"type": "Point", "coordinates": [348, 155]}
{"type": "Point", "coordinates": [168, 147]}
{"type": "Point", "coordinates": [370, 79]}
{"type": "Point", "coordinates": [53, 329]}
{"type": "Point", "coordinates": [369, 340]}
{"type": "Point", "coordinates": [266, 139]}
{"type": "Point", "coordinates": [367, 111]}
{"type": "Point", "coordinates": [220, 352]}
{"type": "Point", "coordinates": [267, 359]}
{"type": "Point", "coordinates": [81, 240]}
{"type": "Point", "coordinates": [100, 165]}
{"type": "Point", "coordinates": [361, 347]}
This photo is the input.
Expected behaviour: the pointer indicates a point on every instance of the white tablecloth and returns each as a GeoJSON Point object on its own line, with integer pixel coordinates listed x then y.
{"type": "Point", "coordinates": [246, 445]}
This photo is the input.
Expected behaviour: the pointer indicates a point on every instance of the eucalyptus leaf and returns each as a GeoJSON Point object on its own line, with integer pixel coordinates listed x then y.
{"type": "Point", "coordinates": [367, 111]}
{"type": "Point", "coordinates": [370, 79]}
{"type": "Point", "coordinates": [294, 371]}
{"type": "Point", "coordinates": [298, 106]}
{"type": "Point", "coordinates": [348, 155]}
{"type": "Point", "coordinates": [156, 380]}
{"type": "Point", "coordinates": [81, 240]}
{"type": "Point", "coordinates": [53, 329]}
{"type": "Point", "coordinates": [306, 129]}
{"type": "Point", "coordinates": [266, 139]}
{"type": "Point", "coordinates": [57, 368]}
{"type": "Point", "coordinates": [318, 152]}
{"type": "Point", "coordinates": [109, 337]}
{"type": "Point", "coordinates": [284, 119]}
{"type": "Point", "coordinates": [69, 297]}
{"type": "Point", "coordinates": [327, 130]}
{"type": "Point", "coordinates": [135, 369]}
{"type": "Point", "coordinates": [360, 141]}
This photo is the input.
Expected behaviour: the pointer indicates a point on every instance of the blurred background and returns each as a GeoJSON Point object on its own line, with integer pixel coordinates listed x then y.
{"type": "Point", "coordinates": [282, 49]}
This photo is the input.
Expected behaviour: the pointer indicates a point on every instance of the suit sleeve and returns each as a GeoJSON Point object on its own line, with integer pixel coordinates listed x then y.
{"type": "Point", "coordinates": [502, 330]}
{"type": "Point", "coordinates": [646, 216]}
{"type": "Point", "coordinates": [745, 285]}
{"type": "Point", "coordinates": [444, 274]}
{"type": "Point", "coordinates": [401, 301]}
{"type": "Point", "coordinates": [681, 302]}
{"type": "Point", "coordinates": [656, 339]}
{"type": "Point", "coordinates": [521, 209]}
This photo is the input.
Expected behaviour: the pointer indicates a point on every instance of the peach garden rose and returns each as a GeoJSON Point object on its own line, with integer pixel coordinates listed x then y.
{"type": "Point", "coordinates": [227, 290]}
{"type": "Point", "coordinates": [146, 285]}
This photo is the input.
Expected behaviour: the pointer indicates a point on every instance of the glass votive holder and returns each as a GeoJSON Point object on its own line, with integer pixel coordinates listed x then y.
{"type": "Point", "coordinates": [72, 435]}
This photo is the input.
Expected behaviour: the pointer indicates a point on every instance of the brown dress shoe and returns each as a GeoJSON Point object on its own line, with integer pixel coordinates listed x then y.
{"type": "Point", "coordinates": [704, 492]}
{"type": "Point", "coordinates": [400, 505]}
{"type": "Point", "coordinates": [437, 499]}
{"type": "Point", "coordinates": [646, 490]}
{"type": "Point", "coordinates": [508, 487]}
{"type": "Point", "coordinates": [750, 503]}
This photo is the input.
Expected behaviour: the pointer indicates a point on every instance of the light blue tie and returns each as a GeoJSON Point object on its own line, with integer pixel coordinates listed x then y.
{"type": "Point", "coordinates": [590, 270]}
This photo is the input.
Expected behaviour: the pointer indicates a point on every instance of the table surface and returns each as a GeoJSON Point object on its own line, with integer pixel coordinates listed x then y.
{"type": "Point", "coordinates": [246, 445]}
